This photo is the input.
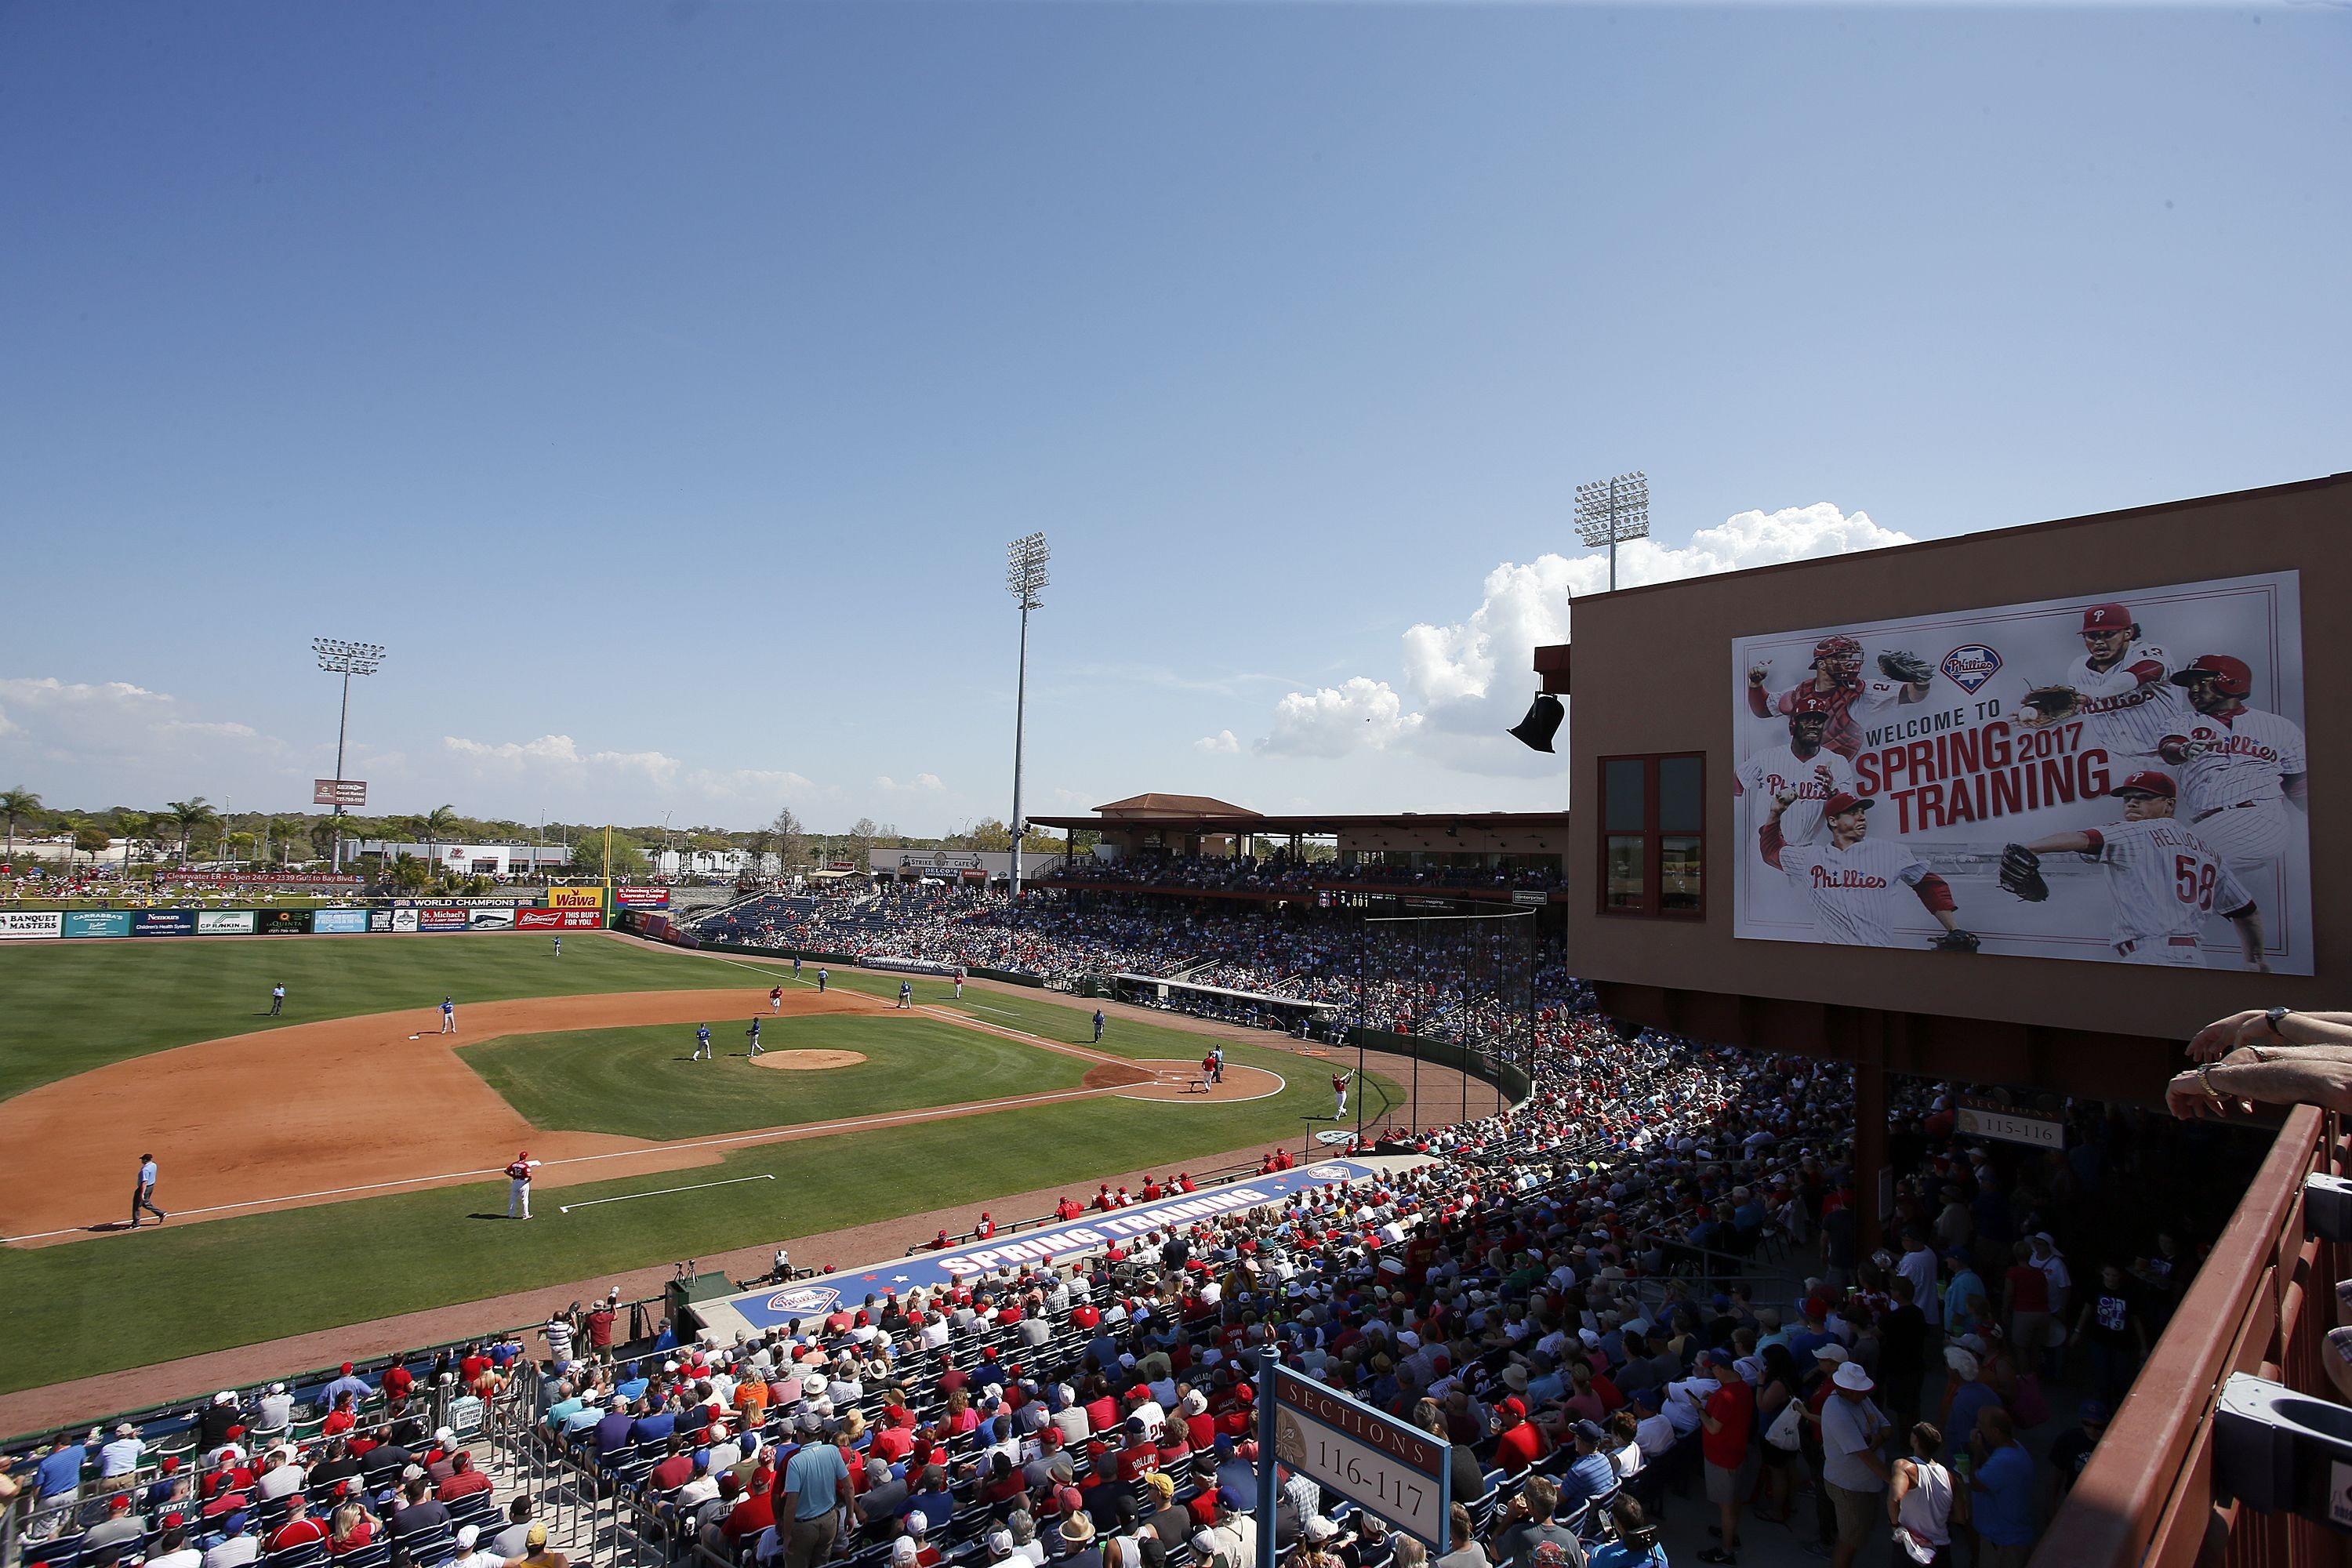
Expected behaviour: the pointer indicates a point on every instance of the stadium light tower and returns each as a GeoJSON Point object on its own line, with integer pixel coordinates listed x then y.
{"type": "Point", "coordinates": [337, 657]}
{"type": "Point", "coordinates": [1024, 575]}
{"type": "Point", "coordinates": [1613, 509]}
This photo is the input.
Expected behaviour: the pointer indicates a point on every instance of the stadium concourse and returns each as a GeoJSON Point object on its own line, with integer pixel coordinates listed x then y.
{"type": "Point", "coordinates": [1660, 1237]}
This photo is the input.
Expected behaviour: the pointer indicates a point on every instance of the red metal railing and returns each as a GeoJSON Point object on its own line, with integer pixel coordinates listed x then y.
{"type": "Point", "coordinates": [2262, 1303]}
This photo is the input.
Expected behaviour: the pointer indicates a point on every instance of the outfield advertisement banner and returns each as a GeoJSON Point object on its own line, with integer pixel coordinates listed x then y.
{"type": "Point", "coordinates": [558, 919]}
{"type": "Point", "coordinates": [98, 922]}
{"type": "Point", "coordinates": [337, 922]}
{"type": "Point", "coordinates": [641, 898]}
{"type": "Point", "coordinates": [164, 922]}
{"type": "Point", "coordinates": [21, 924]}
{"type": "Point", "coordinates": [480, 919]}
{"type": "Point", "coordinates": [282, 922]}
{"type": "Point", "coordinates": [2145, 750]}
{"type": "Point", "coordinates": [405, 919]}
{"type": "Point", "coordinates": [437, 920]}
{"type": "Point", "coordinates": [575, 898]}
{"type": "Point", "coordinates": [224, 922]}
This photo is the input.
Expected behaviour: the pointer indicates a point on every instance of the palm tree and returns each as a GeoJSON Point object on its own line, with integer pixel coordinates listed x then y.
{"type": "Point", "coordinates": [433, 825]}
{"type": "Point", "coordinates": [134, 826]}
{"type": "Point", "coordinates": [71, 827]}
{"type": "Point", "coordinates": [13, 804]}
{"type": "Point", "coordinates": [188, 815]}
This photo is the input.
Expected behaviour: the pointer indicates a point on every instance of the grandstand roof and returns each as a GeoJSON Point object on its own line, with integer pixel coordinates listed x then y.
{"type": "Point", "coordinates": [1230, 818]}
{"type": "Point", "coordinates": [1179, 806]}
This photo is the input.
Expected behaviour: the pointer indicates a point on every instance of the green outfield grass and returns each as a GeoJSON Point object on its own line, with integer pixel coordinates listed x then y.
{"type": "Point", "coordinates": [640, 1082]}
{"type": "Point", "coordinates": [136, 1298]}
{"type": "Point", "coordinates": [75, 1005]}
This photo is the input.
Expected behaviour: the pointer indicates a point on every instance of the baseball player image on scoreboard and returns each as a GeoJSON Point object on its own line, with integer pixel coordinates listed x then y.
{"type": "Point", "coordinates": [1838, 687]}
{"type": "Point", "coordinates": [1805, 765]}
{"type": "Point", "coordinates": [2243, 770]}
{"type": "Point", "coordinates": [2163, 878]}
{"type": "Point", "coordinates": [1858, 885]}
{"type": "Point", "coordinates": [2120, 688]}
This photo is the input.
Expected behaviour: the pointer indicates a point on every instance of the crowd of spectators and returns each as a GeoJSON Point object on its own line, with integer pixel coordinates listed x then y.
{"type": "Point", "coordinates": [1560, 1296]}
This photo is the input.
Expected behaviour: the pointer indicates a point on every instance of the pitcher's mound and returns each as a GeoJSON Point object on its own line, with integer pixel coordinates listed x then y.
{"type": "Point", "coordinates": [807, 1062]}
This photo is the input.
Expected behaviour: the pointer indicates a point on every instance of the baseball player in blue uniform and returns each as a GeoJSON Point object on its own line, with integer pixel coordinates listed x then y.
{"type": "Point", "coordinates": [1099, 1023]}
{"type": "Point", "coordinates": [449, 1016]}
{"type": "Point", "coordinates": [702, 1043]}
{"type": "Point", "coordinates": [754, 1032]}
{"type": "Point", "coordinates": [906, 994]}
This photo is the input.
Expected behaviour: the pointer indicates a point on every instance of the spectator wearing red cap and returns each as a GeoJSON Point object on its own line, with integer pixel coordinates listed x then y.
{"type": "Point", "coordinates": [1519, 1444]}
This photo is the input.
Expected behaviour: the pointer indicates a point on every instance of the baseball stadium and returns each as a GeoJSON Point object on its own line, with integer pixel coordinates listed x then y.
{"type": "Point", "coordinates": [1543, 1149]}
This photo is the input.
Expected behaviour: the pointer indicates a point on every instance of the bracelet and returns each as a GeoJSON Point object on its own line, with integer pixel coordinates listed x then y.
{"type": "Point", "coordinates": [2205, 1082]}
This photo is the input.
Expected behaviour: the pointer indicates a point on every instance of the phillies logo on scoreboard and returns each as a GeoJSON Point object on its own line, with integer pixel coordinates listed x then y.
{"type": "Point", "coordinates": [1970, 665]}
{"type": "Point", "coordinates": [804, 1301]}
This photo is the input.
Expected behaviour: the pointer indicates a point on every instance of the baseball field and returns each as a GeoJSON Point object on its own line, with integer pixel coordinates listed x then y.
{"type": "Point", "coordinates": [340, 1163]}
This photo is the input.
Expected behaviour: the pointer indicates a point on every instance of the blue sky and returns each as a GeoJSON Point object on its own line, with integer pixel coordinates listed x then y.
{"type": "Point", "coordinates": [662, 381]}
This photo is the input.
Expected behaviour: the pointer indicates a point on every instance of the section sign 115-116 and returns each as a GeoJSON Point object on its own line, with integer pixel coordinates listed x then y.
{"type": "Point", "coordinates": [1365, 1454]}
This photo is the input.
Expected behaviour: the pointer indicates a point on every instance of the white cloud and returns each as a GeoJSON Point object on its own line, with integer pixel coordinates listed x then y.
{"type": "Point", "coordinates": [1222, 742]}
{"type": "Point", "coordinates": [133, 734]}
{"type": "Point", "coordinates": [1329, 723]}
{"type": "Point", "coordinates": [560, 756]}
{"type": "Point", "coordinates": [1470, 678]}
{"type": "Point", "coordinates": [922, 783]}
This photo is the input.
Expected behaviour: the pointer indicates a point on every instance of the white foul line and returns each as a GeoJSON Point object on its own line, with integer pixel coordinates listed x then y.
{"type": "Point", "coordinates": [763, 1135]}
{"type": "Point", "coordinates": [662, 1191]}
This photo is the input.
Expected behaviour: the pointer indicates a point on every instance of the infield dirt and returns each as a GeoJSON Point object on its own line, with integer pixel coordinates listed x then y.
{"type": "Point", "coordinates": [349, 1108]}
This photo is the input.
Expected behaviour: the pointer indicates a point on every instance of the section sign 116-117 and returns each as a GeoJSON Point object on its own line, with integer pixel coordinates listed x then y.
{"type": "Point", "coordinates": [1365, 1454]}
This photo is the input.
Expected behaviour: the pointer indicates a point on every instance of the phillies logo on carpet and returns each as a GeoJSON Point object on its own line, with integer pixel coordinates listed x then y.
{"type": "Point", "coordinates": [807, 1300]}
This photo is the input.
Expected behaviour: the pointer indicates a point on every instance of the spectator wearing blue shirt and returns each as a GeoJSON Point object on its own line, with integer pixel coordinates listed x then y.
{"type": "Point", "coordinates": [654, 1426]}
{"type": "Point", "coordinates": [1970, 1396]}
{"type": "Point", "coordinates": [932, 1499]}
{"type": "Point", "coordinates": [1633, 1542]}
{"type": "Point", "coordinates": [560, 1413]}
{"type": "Point", "coordinates": [1964, 1284]}
{"type": "Point", "coordinates": [2002, 1492]}
{"type": "Point", "coordinates": [358, 1388]}
{"type": "Point", "coordinates": [633, 1385]}
{"type": "Point", "coordinates": [60, 1473]}
{"type": "Point", "coordinates": [613, 1431]}
{"type": "Point", "coordinates": [1590, 1475]}
{"type": "Point", "coordinates": [1237, 1475]}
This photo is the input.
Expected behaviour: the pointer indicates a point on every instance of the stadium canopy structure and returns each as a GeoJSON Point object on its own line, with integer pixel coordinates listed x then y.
{"type": "Point", "coordinates": [1470, 853]}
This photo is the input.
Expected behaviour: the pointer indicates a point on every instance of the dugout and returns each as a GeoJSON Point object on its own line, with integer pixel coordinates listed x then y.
{"type": "Point", "coordinates": [1680, 920]}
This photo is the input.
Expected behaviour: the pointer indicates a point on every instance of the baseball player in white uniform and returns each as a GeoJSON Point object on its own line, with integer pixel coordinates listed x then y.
{"type": "Point", "coordinates": [2164, 879]}
{"type": "Point", "coordinates": [1804, 766]}
{"type": "Point", "coordinates": [1838, 685]}
{"type": "Point", "coordinates": [2123, 693]}
{"type": "Point", "coordinates": [2243, 770]}
{"type": "Point", "coordinates": [518, 1185]}
{"type": "Point", "coordinates": [1855, 881]}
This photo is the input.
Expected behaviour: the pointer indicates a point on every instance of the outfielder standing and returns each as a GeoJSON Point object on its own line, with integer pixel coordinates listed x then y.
{"type": "Point", "coordinates": [1852, 880]}
{"type": "Point", "coordinates": [518, 1185]}
{"type": "Point", "coordinates": [2163, 877]}
{"type": "Point", "coordinates": [449, 1016]}
{"type": "Point", "coordinates": [2241, 768]}
{"type": "Point", "coordinates": [701, 1044]}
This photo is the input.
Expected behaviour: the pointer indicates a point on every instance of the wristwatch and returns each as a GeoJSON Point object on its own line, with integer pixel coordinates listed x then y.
{"type": "Point", "coordinates": [2274, 1016]}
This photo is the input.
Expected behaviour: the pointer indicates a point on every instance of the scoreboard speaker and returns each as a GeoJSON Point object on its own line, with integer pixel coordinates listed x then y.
{"type": "Point", "coordinates": [1544, 715]}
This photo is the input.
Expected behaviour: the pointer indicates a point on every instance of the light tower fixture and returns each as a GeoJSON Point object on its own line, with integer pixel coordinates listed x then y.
{"type": "Point", "coordinates": [1613, 509]}
{"type": "Point", "coordinates": [1024, 576]}
{"type": "Point", "coordinates": [337, 657]}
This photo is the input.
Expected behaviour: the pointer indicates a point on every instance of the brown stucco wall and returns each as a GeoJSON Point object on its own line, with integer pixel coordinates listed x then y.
{"type": "Point", "coordinates": [1651, 676]}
